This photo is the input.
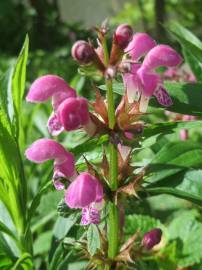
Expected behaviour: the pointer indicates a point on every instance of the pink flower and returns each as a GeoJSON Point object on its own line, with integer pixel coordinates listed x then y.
{"type": "Point", "coordinates": [83, 191]}
{"type": "Point", "coordinates": [140, 45]}
{"type": "Point", "coordinates": [161, 56]}
{"type": "Point", "coordinates": [73, 113]}
{"type": "Point", "coordinates": [143, 79]}
{"type": "Point", "coordinates": [47, 149]}
{"type": "Point", "coordinates": [51, 86]}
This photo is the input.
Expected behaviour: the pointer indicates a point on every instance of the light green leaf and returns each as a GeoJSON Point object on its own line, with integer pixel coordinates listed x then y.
{"type": "Point", "coordinates": [18, 82]}
{"type": "Point", "coordinates": [186, 230]}
{"type": "Point", "coordinates": [63, 225]}
{"type": "Point", "coordinates": [93, 239]}
{"type": "Point", "coordinates": [141, 223]}
{"type": "Point", "coordinates": [42, 243]}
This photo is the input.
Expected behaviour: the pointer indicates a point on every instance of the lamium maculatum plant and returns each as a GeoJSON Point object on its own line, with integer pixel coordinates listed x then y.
{"type": "Point", "coordinates": [100, 192]}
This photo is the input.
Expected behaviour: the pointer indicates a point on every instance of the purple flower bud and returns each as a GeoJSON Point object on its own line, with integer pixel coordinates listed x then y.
{"type": "Point", "coordinates": [123, 35]}
{"type": "Point", "coordinates": [83, 191]}
{"type": "Point", "coordinates": [82, 52]}
{"type": "Point", "coordinates": [151, 238]}
{"type": "Point", "coordinates": [73, 113]}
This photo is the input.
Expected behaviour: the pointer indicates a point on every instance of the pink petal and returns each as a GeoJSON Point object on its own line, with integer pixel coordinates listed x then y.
{"type": "Point", "coordinates": [149, 81]}
{"type": "Point", "coordinates": [47, 149]}
{"type": "Point", "coordinates": [184, 134]}
{"type": "Point", "coordinates": [99, 192]}
{"type": "Point", "coordinates": [163, 97]}
{"type": "Point", "coordinates": [161, 55]}
{"type": "Point", "coordinates": [131, 83]}
{"type": "Point", "coordinates": [46, 86]}
{"type": "Point", "coordinates": [73, 113]}
{"type": "Point", "coordinates": [140, 45]}
{"type": "Point", "coordinates": [54, 125]}
{"type": "Point", "coordinates": [82, 191]}
{"type": "Point", "coordinates": [59, 97]}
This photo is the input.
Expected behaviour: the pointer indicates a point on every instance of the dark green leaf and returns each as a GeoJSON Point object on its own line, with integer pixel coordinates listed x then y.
{"type": "Point", "coordinates": [172, 158]}
{"type": "Point", "coordinates": [169, 127]}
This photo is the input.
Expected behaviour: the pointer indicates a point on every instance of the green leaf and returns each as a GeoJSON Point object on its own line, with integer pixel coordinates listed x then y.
{"type": "Point", "coordinates": [37, 199]}
{"type": "Point", "coordinates": [63, 225]}
{"type": "Point", "coordinates": [186, 230]}
{"type": "Point", "coordinates": [6, 230]}
{"type": "Point", "coordinates": [194, 63]}
{"type": "Point", "coordinates": [186, 39]}
{"type": "Point", "coordinates": [13, 186]}
{"type": "Point", "coordinates": [24, 262]}
{"type": "Point", "coordinates": [186, 185]}
{"type": "Point", "coordinates": [186, 97]}
{"type": "Point", "coordinates": [93, 239]}
{"type": "Point", "coordinates": [173, 158]}
{"type": "Point", "coordinates": [42, 243]}
{"type": "Point", "coordinates": [18, 81]}
{"type": "Point", "coordinates": [169, 127]}
{"type": "Point", "coordinates": [141, 223]}
{"type": "Point", "coordinates": [63, 210]}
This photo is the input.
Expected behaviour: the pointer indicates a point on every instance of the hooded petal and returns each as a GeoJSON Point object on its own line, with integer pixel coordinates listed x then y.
{"type": "Point", "coordinates": [140, 45]}
{"type": "Point", "coordinates": [46, 86]}
{"type": "Point", "coordinates": [83, 191]}
{"type": "Point", "coordinates": [161, 56]}
{"type": "Point", "coordinates": [47, 149]}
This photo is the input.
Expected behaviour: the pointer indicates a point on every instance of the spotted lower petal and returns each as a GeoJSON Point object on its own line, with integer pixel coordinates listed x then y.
{"type": "Point", "coordinates": [163, 97]}
{"type": "Point", "coordinates": [54, 125]}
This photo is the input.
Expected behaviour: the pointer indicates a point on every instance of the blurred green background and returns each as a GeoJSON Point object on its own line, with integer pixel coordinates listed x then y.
{"type": "Point", "coordinates": [53, 26]}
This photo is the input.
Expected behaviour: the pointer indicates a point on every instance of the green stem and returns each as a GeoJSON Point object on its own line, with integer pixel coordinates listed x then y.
{"type": "Point", "coordinates": [113, 220]}
{"type": "Point", "coordinates": [113, 233]}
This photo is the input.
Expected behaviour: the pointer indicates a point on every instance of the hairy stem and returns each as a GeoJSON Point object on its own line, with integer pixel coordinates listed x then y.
{"type": "Point", "coordinates": [113, 219]}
